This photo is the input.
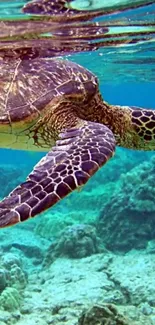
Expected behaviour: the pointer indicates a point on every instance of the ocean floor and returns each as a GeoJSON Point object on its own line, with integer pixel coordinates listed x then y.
{"type": "Point", "coordinates": [58, 294]}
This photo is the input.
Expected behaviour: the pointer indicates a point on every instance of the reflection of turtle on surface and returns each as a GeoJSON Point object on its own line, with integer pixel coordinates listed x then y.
{"type": "Point", "coordinates": [47, 103]}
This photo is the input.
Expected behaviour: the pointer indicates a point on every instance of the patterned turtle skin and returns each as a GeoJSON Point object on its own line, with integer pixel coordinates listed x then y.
{"type": "Point", "coordinates": [54, 105]}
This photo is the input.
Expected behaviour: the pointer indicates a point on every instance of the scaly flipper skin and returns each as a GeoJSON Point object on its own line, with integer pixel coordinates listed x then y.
{"type": "Point", "coordinates": [144, 122]}
{"type": "Point", "coordinates": [81, 151]}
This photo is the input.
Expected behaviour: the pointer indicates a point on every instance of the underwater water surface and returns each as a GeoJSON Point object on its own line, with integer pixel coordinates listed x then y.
{"type": "Point", "coordinates": [89, 259]}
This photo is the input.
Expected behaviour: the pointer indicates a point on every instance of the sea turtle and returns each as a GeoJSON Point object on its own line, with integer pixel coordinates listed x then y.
{"type": "Point", "coordinates": [55, 104]}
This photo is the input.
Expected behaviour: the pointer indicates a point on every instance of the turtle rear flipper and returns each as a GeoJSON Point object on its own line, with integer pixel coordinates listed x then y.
{"type": "Point", "coordinates": [75, 158]}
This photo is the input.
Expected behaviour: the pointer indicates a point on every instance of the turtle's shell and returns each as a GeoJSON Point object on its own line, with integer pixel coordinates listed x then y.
{"type": "Point", "coordinates": [27, 86]}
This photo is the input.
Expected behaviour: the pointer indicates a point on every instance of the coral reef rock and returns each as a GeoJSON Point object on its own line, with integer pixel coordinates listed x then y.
{"type": "Point", "coordinates": [75, 241]}
{"type": "Point", "coordinates": [14, 274]}
{"type": "Point", "coordinates": [127, 221]}
{"type": "Point", "coordinates": [10, 299]}
{"type": "Point", "coordinates": [102, 315]}
{"type": "Point", "coordinates": [13, 281]}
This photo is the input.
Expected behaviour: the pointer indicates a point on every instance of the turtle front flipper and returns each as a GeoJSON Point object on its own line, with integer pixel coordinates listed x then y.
{"type": "Point", "coordinates": [75, 158]}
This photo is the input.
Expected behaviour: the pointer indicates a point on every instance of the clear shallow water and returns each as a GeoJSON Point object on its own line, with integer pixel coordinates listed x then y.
{"type": "Point", "coordinates": [126, 75]}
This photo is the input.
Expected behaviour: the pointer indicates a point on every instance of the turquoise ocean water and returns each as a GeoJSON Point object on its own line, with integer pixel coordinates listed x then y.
{"type": "Point", "coordinates": [90, 259]}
